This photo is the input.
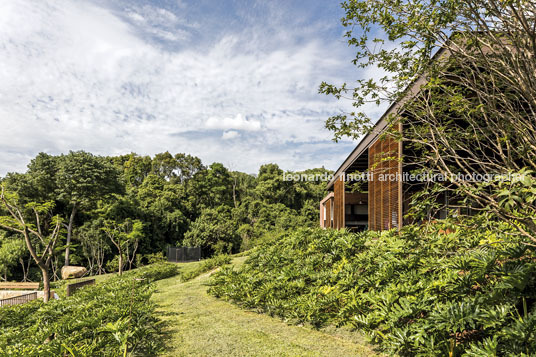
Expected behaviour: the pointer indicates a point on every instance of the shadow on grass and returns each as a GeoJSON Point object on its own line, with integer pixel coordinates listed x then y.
{"type": "Point", "coordinates": [167, 329]}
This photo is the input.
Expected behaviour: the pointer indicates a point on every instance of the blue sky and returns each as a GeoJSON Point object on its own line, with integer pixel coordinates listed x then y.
{"type": "Point", "coordinates": [229, 81]}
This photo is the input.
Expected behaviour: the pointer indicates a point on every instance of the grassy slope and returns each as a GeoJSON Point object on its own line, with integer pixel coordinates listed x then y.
{"type": "Point", "coordinates": [201, 325]}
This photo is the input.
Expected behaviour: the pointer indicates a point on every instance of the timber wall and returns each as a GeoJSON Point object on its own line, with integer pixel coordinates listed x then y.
{"type": "Point", "coordinates": [385, 206]}
{"type": "Point", "coordinates": [338, 203]}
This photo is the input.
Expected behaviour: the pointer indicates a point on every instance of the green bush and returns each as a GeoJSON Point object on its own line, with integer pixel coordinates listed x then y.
{"type": "Point", "coordinates": [206, 265]}
{"type": "Point", "coordinates": [112, 266]}
{"type": "Point", "coordinates": [421, 292]}
{"type": "Point", "coordinates": [100, 320]}
{"type": "Point", "coordinates": [154, 272]}
{"type": "Point", "coordinates": [152, 258]}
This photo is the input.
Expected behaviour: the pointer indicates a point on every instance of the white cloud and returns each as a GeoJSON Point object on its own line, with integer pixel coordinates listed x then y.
{"type": "Point", "coordinates": [230, 134]}
{"type": "Point", "coordinates": [160, 22]}
{"type": "Point", "coordinates": [238, 122]}
{"type": "Point", "coordinates": [74, 75]}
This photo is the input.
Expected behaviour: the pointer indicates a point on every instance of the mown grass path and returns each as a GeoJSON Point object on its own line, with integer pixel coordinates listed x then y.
{"type": "Point", "coordinates": [201, 325]}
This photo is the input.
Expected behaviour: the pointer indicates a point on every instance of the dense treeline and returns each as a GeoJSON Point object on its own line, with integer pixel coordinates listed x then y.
{"type": "Point", "coordinates": [117, 212]}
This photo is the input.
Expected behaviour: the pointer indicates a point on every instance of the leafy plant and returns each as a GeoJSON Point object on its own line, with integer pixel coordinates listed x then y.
{"type": "Point", "coordinates": [113, 318]}
{"type": "Point", "coordinates": [206, 265]}
{"type": "Point", "coordinates": [418, 292]}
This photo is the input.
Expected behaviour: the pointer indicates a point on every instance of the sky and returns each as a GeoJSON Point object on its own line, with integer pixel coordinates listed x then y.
{"type": "Point", "coordinates": [228, 81]}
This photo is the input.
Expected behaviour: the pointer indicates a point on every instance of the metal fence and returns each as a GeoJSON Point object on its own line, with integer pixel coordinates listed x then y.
{"type": "Point", "coordinates": [183, 254]}
{"type": "Point", "coordinates": [17, 300]}
{"type": "Point", "coordinates": [71, 288]}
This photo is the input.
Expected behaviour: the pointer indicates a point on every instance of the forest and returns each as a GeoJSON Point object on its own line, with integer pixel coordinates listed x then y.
{"type": "Point", "coordinates": [132, 207]}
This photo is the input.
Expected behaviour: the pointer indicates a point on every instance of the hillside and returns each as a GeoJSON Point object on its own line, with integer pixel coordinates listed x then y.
{"type": "Point", "coordinates": [201, 325]}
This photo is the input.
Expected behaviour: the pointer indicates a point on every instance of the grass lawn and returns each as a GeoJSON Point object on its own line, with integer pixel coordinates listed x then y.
{"type": "Point", "coordinates": [201, 325]}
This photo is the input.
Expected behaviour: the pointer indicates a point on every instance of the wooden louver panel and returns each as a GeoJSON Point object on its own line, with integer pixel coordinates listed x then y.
{"type": "Point", "coordinates": [371, 195]}
{"type": "Point", "coordinates": [338, 201]}
{"type": "Point", "coordinates": [328, 214]}
{"type": "Point", "coordinates": [384, 188]}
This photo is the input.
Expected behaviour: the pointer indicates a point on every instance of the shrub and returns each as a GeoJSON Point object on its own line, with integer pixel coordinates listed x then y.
{"type": "Point", "coordinates": [215, 231]}
{"type": "Point", "coordinates": [112, 266]}
{"type": "Point", "coordinates": [420, 292]}
{"type": "Point", "coordinates": [153, 258]}
{"type": "Point", "coordinates": [206, 265]}
{"type": "Point", "coordinates": [100, 320]}
{"type": "Point", "coordinates": [154, 272]}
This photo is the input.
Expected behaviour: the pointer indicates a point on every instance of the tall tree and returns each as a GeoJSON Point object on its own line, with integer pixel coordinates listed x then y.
{"type": "Point", "coordinates": [134, 168]}
{"type": "Point", "coordinates": [187, 166]}
{"type": "Point", "coordinates": [164, 209]}
{"type": "Point", "coordinates": [94, 245]}
{"type": "Point", "coordinates": [33, 220]}
{"type": "Point", "coordinates": [212, 187]}
{"type": "Point", "coordinates": [214, 231]}
{"type": "Point", "coordinates": [243, 185]}
{"type": "Point", "coordinates": [83, 179]}
{"type": "Point", "coordinates": [164, 165]}
{"type": "Point", "coordinates": [473, 110]}
{"type": "Point", "coordinates": [271, 187]}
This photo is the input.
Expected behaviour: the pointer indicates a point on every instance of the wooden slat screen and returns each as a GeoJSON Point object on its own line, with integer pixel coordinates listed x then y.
{"type": "Point", "coordinates": [377, 214]}
{"type": "Point", "coordinates": [328, 214]}
{"type": "Point", "coordinates": [371, 201]}
{"type": "Point", "coordinates": [338, 201]}
{"type": "Point", "coordinates": [384, 200]}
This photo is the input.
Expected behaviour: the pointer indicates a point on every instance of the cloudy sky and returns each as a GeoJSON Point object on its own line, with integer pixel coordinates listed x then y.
{"type": "Point", "coordinates": [229, 81]}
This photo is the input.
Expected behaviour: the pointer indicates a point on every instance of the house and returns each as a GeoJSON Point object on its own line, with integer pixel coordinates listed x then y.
{"type": "Point", "coordinates": [384, 196]}
{"type": "Point", "coordinates": [380, 204]}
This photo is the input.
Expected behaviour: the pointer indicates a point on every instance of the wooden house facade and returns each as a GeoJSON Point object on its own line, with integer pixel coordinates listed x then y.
{"type": "Point", "coordinates": [383, 199]}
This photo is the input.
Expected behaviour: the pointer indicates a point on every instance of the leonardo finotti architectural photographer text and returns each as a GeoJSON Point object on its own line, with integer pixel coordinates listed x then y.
{"type": "Point", "coordinates": [405, 177]}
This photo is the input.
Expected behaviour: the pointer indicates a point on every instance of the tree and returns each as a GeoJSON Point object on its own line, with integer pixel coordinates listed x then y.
{"type": "Point", "coordinates": [134, 168]}
{"type": "Point", "coordinates": [214, 231]}
{"type": "Point", "coordinates": [310, 192]}
{"type": "Point", "coordinates": [475, 111]}
{"type": "Point", "coordinates": [125, 237]}
{"type": "Point", "coordinates": [271, 187]}
{"type": "Point", "coordinates": [45, 228]}
{"type": "Point", "coordinates": [94, 245]}
{"type": "Point", "coordinates": [83, 179]}
{"type": "Point", "coordinates": [243, 185]}
{"type": "Point", "coordinates": [164, 165]}
{"type": "Point", "coordinates": [12, 249]}
{"type": "Point", "coordinates": [164, 208]}
{"type": "Point", "coordinates": [187, 166]}
{"type": "Point", "coordinates": [212, 187]}
{"type": "Point", "coordinates": [38, 183]}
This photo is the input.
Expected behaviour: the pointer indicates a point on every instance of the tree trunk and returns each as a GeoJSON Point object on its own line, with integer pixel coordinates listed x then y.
{"type": "Point", "coordinates": [46, 283]}
{"type": "Point", "coordinates": [54, 266]}
{"type": "Point", "coordinates": [234, 193]}
{"type": "Point", "coordinates": [24, 276]}
{"type": "Point", "coordinates": [25, 270]}
{"type": "Point", "coordinates": [40, 264]}
{"type": "Point", "coordinates": [100, 260]}
{"type": "Point", "coordinates": [120, 263]}
{"type": "Point", "coordinates": [69, 234]}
